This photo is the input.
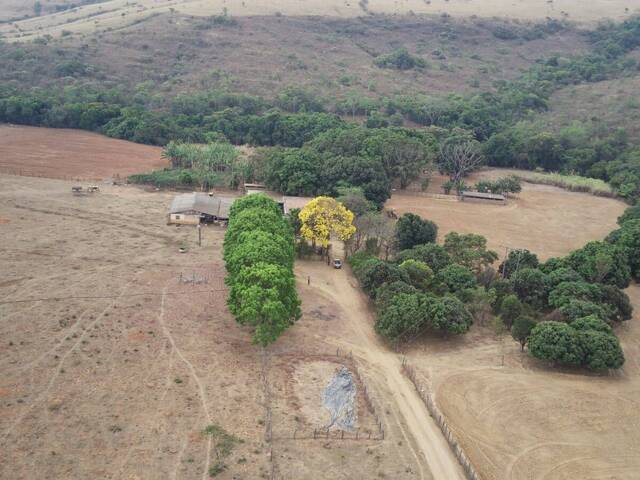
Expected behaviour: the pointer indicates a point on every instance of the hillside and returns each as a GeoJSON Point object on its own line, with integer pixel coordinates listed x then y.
{"type": "Point", "coordinates": [85, 16]}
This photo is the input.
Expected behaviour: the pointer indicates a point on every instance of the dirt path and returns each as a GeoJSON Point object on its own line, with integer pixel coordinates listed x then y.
{"type": "Point", "coordinates": [384, 368]}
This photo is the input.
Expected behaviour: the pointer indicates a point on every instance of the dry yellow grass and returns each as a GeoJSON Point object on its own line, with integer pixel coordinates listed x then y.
{"type": "Point", "coordinates": [118, 13]}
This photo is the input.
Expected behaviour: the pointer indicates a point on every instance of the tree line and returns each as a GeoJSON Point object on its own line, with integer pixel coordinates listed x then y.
{"type": "Point", "coordinates": [258, 256]}
{"type": "Point", "coordinates": [495, 125]}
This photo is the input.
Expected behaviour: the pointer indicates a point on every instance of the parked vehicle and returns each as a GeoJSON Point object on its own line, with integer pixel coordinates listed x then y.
{"type": "Point", "coordinates": [337, 263]}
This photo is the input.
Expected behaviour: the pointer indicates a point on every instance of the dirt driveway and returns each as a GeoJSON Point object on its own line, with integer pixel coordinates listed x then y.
{"type": "Point", "coordinates": [434, 457]}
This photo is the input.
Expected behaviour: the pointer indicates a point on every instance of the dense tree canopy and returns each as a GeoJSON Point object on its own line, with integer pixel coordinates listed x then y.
{"type": "Point", "coordinates": [412, 230]}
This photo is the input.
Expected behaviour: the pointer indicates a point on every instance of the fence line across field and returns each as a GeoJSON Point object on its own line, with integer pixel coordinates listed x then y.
{"type": "Point", "coordinates": [440, 420]}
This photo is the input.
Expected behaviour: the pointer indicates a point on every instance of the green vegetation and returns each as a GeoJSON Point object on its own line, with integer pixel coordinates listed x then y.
{"type": "Point", "coordinates": [400, 59]}
{"type": "Point", "coordinates": [413, 230]}
{"type": "Point", "coordinates": [258, 255]}
{"type": "Point", "coordinates": [574, 183]}
{"type": "Point", "coordinates": [224, 443]}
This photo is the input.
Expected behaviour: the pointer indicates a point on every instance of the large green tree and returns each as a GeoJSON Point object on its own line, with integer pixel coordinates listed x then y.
{"type": "Point", "coordinates": [412, 230]}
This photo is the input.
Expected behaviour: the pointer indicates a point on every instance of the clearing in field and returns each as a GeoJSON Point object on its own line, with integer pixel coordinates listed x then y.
{"type": "Point", "coordinates": [64, 153]}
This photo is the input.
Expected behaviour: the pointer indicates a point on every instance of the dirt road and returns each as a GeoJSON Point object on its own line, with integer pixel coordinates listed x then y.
{"type": "Point", "coordinates": [384, 366]}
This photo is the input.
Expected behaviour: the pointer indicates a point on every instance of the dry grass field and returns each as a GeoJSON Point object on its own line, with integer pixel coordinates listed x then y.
{"type": "Point", "coordinates": [63, 153]}
{"type": "Point", "coordinates": [118, 352]}
{"type": "Point", "coordinates": [546, 220]}
{"type": "Point", "coordinates": [114, 361]}
{"type": "Point", "coordinates": [115, 14]}
{"type": "Point", "coordinates": [517, 418]}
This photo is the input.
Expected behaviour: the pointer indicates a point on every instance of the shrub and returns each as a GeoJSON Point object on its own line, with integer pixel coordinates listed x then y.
{"type": "Point", "coordinates": [419, 273]}
{"type": "Point", "coordinates": [435, 256]}
{"type": "Point", "coordinates": [399, 59]}
{"type": "Point", "coordinates": [455, 278]}
{"type": "Point", "coordinates": [521, 330]}
{"type": "Point", "coordinates": [601, 350]}
{"type": "Point", "coordinates": [510, 309]}
{"type": "Point", "coordinates": [631, 213]}
{"type": "Point", "coordinates": [411, 230]}
{"type": "Point", "coordinates": [449, 315]}
{"type": "Point", "coordinates": [531, 286]}
{"type": "Point", "coordinates": [516, 260]}
{"type": "Point", "coordinates": [555, 342]}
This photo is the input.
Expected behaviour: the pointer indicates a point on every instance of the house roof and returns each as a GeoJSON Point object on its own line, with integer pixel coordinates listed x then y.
{"type": "Point", "coordinates": [202, 203]}
{"type": "Point", "coordinates": [486, 196]}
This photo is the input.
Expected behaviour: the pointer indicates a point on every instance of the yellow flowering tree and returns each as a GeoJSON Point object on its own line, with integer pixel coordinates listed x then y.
{"type": "Point", "coordinates": [323, 216]}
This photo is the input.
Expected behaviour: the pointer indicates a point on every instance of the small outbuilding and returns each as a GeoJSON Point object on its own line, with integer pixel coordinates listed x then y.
{"type": "Point", "coordinates": [479, 196]}
{"type": "Point", "coordinates": [198, 207]}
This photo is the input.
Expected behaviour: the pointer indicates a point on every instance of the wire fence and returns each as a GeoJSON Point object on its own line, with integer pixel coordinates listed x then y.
{"type": "Point", "coordinates": [376, 432]}
{"type": "Point", "coordinates": [440, 420]}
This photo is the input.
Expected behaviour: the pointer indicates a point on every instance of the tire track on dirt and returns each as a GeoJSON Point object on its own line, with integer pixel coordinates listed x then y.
{"type": "Point", "coordinates": [58, 368]}
{"type": "Point", "coordinates": [194, 375]}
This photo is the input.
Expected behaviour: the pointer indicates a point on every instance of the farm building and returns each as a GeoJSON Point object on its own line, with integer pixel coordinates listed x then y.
{"type": "Point", "coordinates": [478, 196]}
{"type": "Point", "coordinates": [194, 208]}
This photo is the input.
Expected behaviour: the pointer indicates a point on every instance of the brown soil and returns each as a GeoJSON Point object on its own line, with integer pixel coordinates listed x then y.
{"type": "Point", "coordinates": [64, 153]}
{"type": "Point", "coordinates": [547, 220]}
{"type": "Point", "coordinates": [120, 371]}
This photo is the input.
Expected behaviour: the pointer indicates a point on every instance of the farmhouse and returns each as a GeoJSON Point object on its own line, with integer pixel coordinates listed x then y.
{"type": "Point", "coordinates": [196, 207]}
{"type": "Point", "coordinates": [479, 196]}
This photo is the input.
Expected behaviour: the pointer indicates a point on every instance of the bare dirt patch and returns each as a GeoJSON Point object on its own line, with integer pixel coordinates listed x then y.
{"type": "Point", "coordinates": [65, 153]}
{"type": "Point", "coordinates": [547, 220]}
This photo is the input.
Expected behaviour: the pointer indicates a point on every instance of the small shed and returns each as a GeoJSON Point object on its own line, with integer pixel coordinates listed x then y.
{"type": "Point", "coordinates": [489, 197]}
{"type": "Point", "coordinates": [198, 207]}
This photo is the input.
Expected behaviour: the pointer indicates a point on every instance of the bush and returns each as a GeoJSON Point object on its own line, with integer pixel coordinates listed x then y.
{"type": "Point", "coordinates": [399, 59]}
{"type": "Point", "coordinates": [510, 309]}
{"type": "Point", "coordinates": [449, 315]}
{"type": "Point", "coordinates": [411, 230]}
{"type": "Point", "coordinates": [521, 330]}
{"type": "Point", "coordinates": [600, 350]}
{"type": "Point", "coordinates": [455, 278]}
{"type": "Point", "coordinates": [516, 260]}
{"type": "Point", "coordinates": [531, 286]}
{"type": "Point", "coordinates": [555, 342]}
{"type": "Point", "coordinates": [419, 273]}
{"type": "Point", "coordinates": [435, 256]}
{"type": "Point", "coordinates": [631, 213]}
{"type": "Point", "coordinates": [374, 273]}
